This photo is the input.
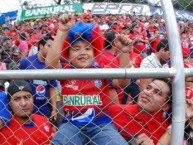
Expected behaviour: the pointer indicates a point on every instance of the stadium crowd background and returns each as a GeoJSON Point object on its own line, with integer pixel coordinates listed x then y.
{"type": "Point", "coordinates": [31, 31]}
{"type": "Point", "coordinates": [18, 41]}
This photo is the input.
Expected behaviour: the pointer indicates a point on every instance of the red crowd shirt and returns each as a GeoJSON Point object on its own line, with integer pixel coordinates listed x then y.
{"type": "Point", "coordinates": [138, 45]}
{"type": "Point", "coordinates": [136, 59]}
{"type": "Point", "coordinates": [108, 60]}
{"type": "Point", "coordinates": [130, 122]}
{"type": "Point", "coordinates": [38, 134]}
{"type": "Point", "coordinates": [35, 39]}
{"type": "Point", "coordinates": [154, 43]}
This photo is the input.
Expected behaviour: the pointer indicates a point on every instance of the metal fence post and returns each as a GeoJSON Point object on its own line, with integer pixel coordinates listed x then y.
{"type": "Point", "coordinates": [178, 107]}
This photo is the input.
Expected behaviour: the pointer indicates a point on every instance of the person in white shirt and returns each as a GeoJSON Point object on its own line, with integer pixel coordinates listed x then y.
{"type": "Point", "coordinates": [156, 60]}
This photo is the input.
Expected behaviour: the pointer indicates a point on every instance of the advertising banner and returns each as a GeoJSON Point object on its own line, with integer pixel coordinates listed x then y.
{"type": "Point", "coordinates": [117, 8]}
{"type": "Point", "coordinates": [157, 11]}
{"type": "Point", "coordinates": [7, 17]}
{"type": "Point", "coordinates": [40, 12]}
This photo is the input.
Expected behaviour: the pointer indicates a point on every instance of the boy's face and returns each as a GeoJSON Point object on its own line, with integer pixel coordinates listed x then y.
{"type": "Point", "coordinates": [81, 54]}
{"type": "Point", "coordinates": [154, 97]}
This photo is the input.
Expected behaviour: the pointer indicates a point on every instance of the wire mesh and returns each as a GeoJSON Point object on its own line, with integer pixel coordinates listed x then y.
{"type": "Point", "coordinates": [104, 80]}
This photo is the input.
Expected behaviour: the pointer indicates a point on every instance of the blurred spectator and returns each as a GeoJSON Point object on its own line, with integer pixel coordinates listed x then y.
{"type": "Point", "coordinates": [36, 36]}
{"type": "Point", "coordinates": [154, 40]}
{"type": "Point", "coordinates": [23, 46]}
{"type": "Point", "coordinates": [103, 25]}
{"type": "Point", "coordinates": [156, 60]}
{"type": "Point", "coordinates": [6, 51]}
{"type": "Point", "coordinates": [16, 56]}
{"type": "Point", "coordinates": [44, 91]}
{"type": "Point", "coordinates": [139, 39]}
{"type": "Point", "coordinates": [6, 31]}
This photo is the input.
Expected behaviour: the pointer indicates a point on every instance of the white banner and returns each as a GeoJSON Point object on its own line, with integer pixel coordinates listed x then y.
{"type": "Point", "coordinates": [117, 8]}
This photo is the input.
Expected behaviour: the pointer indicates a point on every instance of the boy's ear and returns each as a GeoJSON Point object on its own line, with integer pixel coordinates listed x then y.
{"type": "Point", "coordinates": [167, 107]}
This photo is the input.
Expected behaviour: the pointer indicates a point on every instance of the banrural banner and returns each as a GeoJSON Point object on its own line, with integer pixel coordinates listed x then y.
{"type": "Point", "coordinates": [40, 12]}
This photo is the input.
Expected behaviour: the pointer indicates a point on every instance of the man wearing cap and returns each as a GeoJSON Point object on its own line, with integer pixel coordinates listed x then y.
{"type": "Point", "coordinates": [16, 56]}
{"type": "Point", "coordinates": [24, 127]}
{"type": "Point", "coordinates": [156, 60]}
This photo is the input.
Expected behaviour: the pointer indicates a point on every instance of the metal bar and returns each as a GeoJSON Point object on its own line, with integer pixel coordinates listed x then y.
{"type": "Point", "coordinates": [88, 73]}
{"type": "Point", "coordinates": [178, 107]}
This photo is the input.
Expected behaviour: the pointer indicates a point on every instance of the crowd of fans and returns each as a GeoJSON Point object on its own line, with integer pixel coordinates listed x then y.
{"type": "Point", "coordinates": [142, 107]}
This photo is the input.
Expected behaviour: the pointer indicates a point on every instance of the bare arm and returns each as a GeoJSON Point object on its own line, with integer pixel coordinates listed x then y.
{"type": "Point", "coordinates": [2, 123]}
{"type": "Point", "coordinates": [54, 54]}
{"type": "Point", "coordinates": [143, 139]}
{"type": "Point", "coordinates": [165, 138]}
{"type": "Point", "coordinates": [124, 46]}
{"type": "Point", "coordinates": [52, 92]}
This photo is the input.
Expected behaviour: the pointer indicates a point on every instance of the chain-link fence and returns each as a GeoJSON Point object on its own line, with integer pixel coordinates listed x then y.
{"type": "Point", "coordinates": [102, 73]}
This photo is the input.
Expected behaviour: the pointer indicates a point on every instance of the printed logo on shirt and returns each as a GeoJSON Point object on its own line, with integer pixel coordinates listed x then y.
{"type": "Point", "coordinates": [72, 85]}
{"type": "Point", "coordinates": [40, 90]}
{"type": "Point", "coordinates": [98, 83]}
{"type": "Point", "coordinates": [47, 129]}
{"type": "Point", "coordinates": [81, 100]}
{"type": "Point", "coordinates": [40, 82]}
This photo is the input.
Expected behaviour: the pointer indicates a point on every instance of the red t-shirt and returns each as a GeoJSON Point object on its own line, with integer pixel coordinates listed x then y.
{"type": "Point", "coordinates": [35, 39]}
{"type": "Point", "coordinates": [136, 59]}
{"type": "Point", "coordinates": [154, 43]}
{"type": "Point", "coordinates": [138, 45]}
{"type": "Point", "coordinates": [130, 122]}
{"type": "Point", "coordinates": [38, 133]}
{"type": "Point", "coordinates": [108, 60]}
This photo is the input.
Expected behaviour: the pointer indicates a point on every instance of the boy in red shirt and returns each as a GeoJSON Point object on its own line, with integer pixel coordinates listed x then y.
{"type": "Point", "coordinates": [85, 102]}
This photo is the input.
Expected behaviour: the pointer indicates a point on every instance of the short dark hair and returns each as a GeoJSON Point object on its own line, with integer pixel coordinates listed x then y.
{"type": "Point", "coordinates": [163, 44]}
{"type": "Point", "coordinates": [169, 83]}
{"type": "Point", "coordinates": [22, 36]}
{"type": "Point", "coordinates": [109, 38]}
{"type": "Point", "coordinates": [44, 40]}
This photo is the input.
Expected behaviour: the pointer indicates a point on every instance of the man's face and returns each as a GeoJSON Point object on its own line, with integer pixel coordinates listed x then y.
{"type": "Point", "coordinates": [164, 56]}
{"type": "Point", "coordinates": [46, 48]}
{"type": "Point", "coordinates": [21, 104]}
{"type": "Point", "coordinates": [189, 82]}
{"type": "Point", "coordinates": [154, 97]}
